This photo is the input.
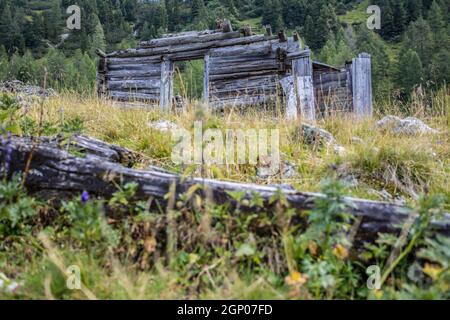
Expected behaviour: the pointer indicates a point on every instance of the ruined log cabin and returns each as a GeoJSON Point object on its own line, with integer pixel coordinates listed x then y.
{"type": "Point", "coordinates": [240, 69]}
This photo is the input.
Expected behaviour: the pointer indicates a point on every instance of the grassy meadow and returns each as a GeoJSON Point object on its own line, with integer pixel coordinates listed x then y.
{"type": "Point", "coordinates": [197, 250]}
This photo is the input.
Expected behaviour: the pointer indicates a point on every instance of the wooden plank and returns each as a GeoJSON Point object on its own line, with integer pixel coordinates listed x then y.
{"type": "Point", "coordinates": [206, 71]}
{"type": "Point", "coordinates": [241, 101]}
{"type": "Point", "coordinates": [133, 84]}
{"type": "Point", "coordinates": [269, 64]}
{"type": "Point", "coordinates": [241, 75]}
{"type": "Point", "coordinates": [135, 60]}
{"type": "Point", "coordinates": [252, 49]}
{"type": "Point", "coordinates": [189, 38]}
{"type": "Point", "coordinates": [130, 96]}
{"type": "Point", "coordinates": [362, 85]}
{"type": "Point", "coordinates": [133, 74]}
{"type": "Point", "coordinates": [248, 82]}
{"type": "Point", "coordinates": [166, 85]}
{"type": "Point", "coordinates": [142, 52]}
{"type": "Point", "coordinates": [288, 85]}
{"type": "Point", "coordinates": [302, 72]}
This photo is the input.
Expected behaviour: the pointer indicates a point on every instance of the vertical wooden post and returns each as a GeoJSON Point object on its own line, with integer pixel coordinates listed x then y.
{"type": "Point", "coordinates": [304, 88]}
{"type": "Point", "coordinates": [362, 85]}
{"type": "Point", "coordinates": [206, 79]}
{"type": "Point", "coordinates": [166, 87]}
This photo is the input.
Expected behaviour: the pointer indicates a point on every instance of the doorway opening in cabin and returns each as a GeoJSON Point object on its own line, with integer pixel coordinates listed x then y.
{"type": "Point", "coordinates": [188, 79]}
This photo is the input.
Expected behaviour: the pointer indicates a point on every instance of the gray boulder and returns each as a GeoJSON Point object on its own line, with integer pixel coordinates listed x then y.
{"type": "Point", "coordinates": [319, 137]}
{"type": "Point", "coordinates": [408, 126]}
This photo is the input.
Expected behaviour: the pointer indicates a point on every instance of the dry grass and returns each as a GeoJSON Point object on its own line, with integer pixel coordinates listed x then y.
{"type": "Point", "coordinates": [404, 165]}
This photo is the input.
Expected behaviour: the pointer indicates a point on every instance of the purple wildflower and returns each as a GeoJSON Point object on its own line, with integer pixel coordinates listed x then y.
{"type": "Point", "coordinates": [84, 197]}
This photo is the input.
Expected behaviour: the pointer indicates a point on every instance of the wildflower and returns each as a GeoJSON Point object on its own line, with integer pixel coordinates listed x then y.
{"type": "Point", "coordinates": [84, 197]}
{"type": "Point", "coordinates": [296, 279]}
{"type": "Point", "coordinates": [432, 270]}
{"type": "Point", "coordinates": [378, 294]}
{"type": "Point", "coordinates": [340, 252]}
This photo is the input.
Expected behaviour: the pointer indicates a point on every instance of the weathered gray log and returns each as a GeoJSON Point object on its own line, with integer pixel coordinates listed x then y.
{"type": "Point", "coordinates": [55, 170]}
{"type": "Point", "coordinates": [166, 85]}
{"type": "Point", "coordinates": [241, 92]}
{"type": "Point", "coordinates": [135, 60]}
{"type": "Point", "coordinates": [206, 71]}
{"type": "Point", "coordinates": [130, 96]}
{"type": "Point", "coordinates": [239, 101]}
{"type": "Point", "coordinates": [134, 67]}
{"type": "Point", "coordinates": [241, 75]}
{"type": "Point", "coordinates": [143, 52]}
{"type": "Point", "coordinates": [249, 82]}
{"type": "Point", "coordinates": [258, 65]}
{"type": "Point", "coordinates": [362, 85]}
{"type": "Point", "coordinates": [304, 88]}
{"type": "Point", "coordinates": [190, 38]}
{"type": "Point", "coordinates": [134, 84]}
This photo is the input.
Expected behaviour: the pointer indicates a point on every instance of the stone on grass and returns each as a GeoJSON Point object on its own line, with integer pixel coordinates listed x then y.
{"type": "Point", "coordinates": [316, 136]}
{"type": "Point", "coordinates": [163, 125]}
{"type": "Point", "coordinates": [408, 126]}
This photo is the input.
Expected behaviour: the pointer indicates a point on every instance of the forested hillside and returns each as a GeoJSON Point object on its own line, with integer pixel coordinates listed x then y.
{"type": "Point", "coordinates": [410, 49]}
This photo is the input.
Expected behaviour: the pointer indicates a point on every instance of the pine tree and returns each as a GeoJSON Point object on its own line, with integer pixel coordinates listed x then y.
{"type": "Point", "coordinates": [399, 16]}
{"type": "Point", "coordinates": [409, 71]}
{"type": "Point", "coordinates": [420, 38]}
{"type": "Point", "coordinates": [6, 32]}
{"type": "Point", "coordinates": [198, 8]}
{"type": "Point", "coordinates": [98, 39]}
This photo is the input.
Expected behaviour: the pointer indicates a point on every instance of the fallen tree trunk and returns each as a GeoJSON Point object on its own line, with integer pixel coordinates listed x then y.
{"type": "Point", "coordinates": [54, 168]}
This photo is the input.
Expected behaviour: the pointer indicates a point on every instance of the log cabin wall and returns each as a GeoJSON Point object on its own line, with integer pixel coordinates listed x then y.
{"type": "Point", "coordinates": [332, 89]}
{"type": "Point", "coordinates": [239, 71]}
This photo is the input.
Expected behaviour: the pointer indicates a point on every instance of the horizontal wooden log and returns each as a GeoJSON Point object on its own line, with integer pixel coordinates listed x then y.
{"type": "Point", "coordinates": [53, 170]}
{"type": "Point", "coordinates": [133, 74]}
{"type": "Point", "coordinates": [132, 96]}
{"type": "Point", "coordinates": [254, 49]}
{"type": "Point", "coordinates": [335, 76]}
{"type": "Point", "coordinates": [218, 60]}
{"type": "Point", "coordinates": [242, 92]}
{"type": "Point", "coordinates": [240, 75]}
{"type": "Point", "coordinates": [142, 52]}
{"type": "Point", "coordinates": [298, 55]}
{"type": "Point", "coordinates": [135, 60]}
{"type": "Point", "coordinates": [189, 38]}
{"type": "Point", "coordinates": [153, 91]}
{"type": "Point", "coordinates": [245, 100]}
{"type": "Point", "coordinates": [100, 53]}
{"type": "Point", "coordinates": [258, 65]}
{"type": "Point", "coordinates": [134, 84]}
{"type": "Point", "coordinates": [134, 67]}
{"type": "Point", "coordinates": [248, 81]}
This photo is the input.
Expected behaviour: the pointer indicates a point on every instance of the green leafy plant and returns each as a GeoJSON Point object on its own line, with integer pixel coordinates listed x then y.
{"type": "Point", "coordinates": [17, 210]}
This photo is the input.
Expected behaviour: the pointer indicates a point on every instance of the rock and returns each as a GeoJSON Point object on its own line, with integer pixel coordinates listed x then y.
{"type": "Point", "coordinates": [284, 169]}
{"type": "Point", "coordinates": [20, 88]}
{"type": "Point", "coordinates": [409, 126]}
{"type": "Point", "coordinates": [357, 140]}
{"type": "Point", "coordinates": [25, 94]}
{"type": "Point", "coordinates": [316, 136]}
{"type": "Point", "coordinates": [350, 181]}
{"type": "Point", "coordinates": [163, 125]}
